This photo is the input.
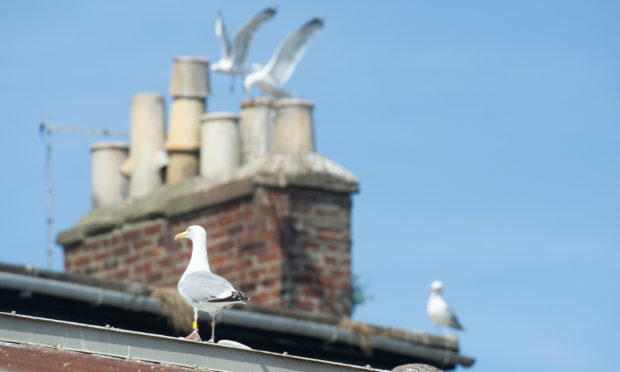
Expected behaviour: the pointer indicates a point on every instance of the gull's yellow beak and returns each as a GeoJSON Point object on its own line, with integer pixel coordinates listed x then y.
{"type": "Point", "coordinates": [180, 235]}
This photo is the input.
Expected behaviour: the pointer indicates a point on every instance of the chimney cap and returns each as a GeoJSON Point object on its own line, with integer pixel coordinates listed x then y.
{"type": "Point", "coordinates": [190, 59]}
{"type": "Point", "coordinates": [109, 145]}
{"type": "Point", "coordinates": [146, 96]}
{"type": "Point", "coordinates": [218, 116]}
{"type": "Point", "coordinates": [257, 101]}
{"type": "Point", "coordinates": [282, 102]}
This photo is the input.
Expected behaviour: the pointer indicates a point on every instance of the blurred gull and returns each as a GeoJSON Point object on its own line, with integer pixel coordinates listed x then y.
{"type": "Point", "coordinates": [202, 289]}
{"type": "Point", "coordinates": [438, 310]}
{"type": "Point", "coordinates": [283, 63]}
{"type": "Point", "coordinates": [232, 60]}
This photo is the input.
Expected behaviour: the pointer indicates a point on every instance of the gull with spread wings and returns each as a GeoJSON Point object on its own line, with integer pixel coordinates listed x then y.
{"type": "Point", "coordinates": [271, 77]}
{"type": "Point", "coordinates": [232, 60]}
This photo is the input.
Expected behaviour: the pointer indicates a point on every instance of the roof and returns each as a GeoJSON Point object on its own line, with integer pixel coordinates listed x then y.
{"type": "Point", "coordinates": [62, 338]}
{"type": "Point", "coordinates": [144, 309]}
{"type": "Point", "coordinates": [26, 357]}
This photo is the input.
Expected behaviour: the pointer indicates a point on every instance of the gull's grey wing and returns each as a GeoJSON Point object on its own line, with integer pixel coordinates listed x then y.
{"type": "Point", "coordinates": [289, 53]}
{"type": "Point", "coordinates": [220, 31]}
{"type": "Point", "coordinates": [244, 36]}
{"type": "Point", "coordinates": [204, 286]}
{"type": "Point", "coordinates": [454, 322]}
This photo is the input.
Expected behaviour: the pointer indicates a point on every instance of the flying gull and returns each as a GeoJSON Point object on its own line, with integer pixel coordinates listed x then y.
{"type": "Point", "coordinates": [202, 289]}
{"type": "Point", "coordinates": [271, 77]}
{"type": "Point", "coordinates": [232, 60]}
{"type": "Point", "coordinates": [438, 310]}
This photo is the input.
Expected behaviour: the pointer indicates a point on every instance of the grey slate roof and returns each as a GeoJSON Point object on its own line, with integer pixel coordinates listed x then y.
{"type": "Point", "coordinates": [131, 306]}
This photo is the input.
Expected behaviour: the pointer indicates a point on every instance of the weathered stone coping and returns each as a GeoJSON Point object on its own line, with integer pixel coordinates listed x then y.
{"type": "Point", "coordinates": [274, 170]}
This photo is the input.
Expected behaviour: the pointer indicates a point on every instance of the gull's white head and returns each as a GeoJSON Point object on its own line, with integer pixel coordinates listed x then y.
{"type": "Point", "coordinates": [249, 81]}
{"type": "Point", "coordinates": [436, 286]}
{"type": "Point", "coordinates": [192, 233]}
{"type": "Point", "coordinates": [216, 67]}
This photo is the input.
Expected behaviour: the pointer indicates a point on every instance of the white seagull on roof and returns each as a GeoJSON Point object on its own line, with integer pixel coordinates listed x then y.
{"type": "Point", "coordinates": [284, 61]}
{"type": "Point", "coordinates": [232, 60]}
{"type": "Point", "coordinates": [202, 289]}
{"type": "Point", "coordinates": [438, 310]}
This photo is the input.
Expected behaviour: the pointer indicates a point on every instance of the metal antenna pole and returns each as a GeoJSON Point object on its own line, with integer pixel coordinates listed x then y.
{"type": "Point", "coordinates": [46, 128]}
{"type": "Point", "coordinates": [49, 194]}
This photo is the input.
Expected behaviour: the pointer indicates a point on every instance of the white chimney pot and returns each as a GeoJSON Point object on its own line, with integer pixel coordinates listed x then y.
{"type": "Point", "coordinates": [219, 152]}
{"type": "Point", "coordinates": [109, 186]}
{"type": "Point", "coordinates": [293, 126]}
{"type": "Point", "coordinates": [257, 115]}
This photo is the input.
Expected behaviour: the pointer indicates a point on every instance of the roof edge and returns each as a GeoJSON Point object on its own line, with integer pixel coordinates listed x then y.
{"type": "Point", "coordinates": [153, 348]}
{"type": "Point", "coordinates": [325, 332]}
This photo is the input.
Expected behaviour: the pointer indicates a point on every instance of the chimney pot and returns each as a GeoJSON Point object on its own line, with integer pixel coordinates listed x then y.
{"type": "Point", "coordinates": [293, 126]}
{"type": "Point", "coordinates": [108, 184]}
{"type": "Point", "coordinates": [189, 88]}
{"type": "Point", "coordinates": [257, 115]}
{"type": "Point", "coordinates": [219, 152]}
{"type": "Point", "coordinates": [146, 154]}
{"type": "Point", "coordinates": [190, 77]}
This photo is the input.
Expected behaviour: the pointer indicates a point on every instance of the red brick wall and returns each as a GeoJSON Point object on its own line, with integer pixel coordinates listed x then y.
{"type": "Point", "coordinates": [286, 248]}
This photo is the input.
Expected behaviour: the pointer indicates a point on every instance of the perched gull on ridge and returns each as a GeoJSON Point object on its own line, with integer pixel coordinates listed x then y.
{"type": "Point", "coordinates": [232, 60]}
{"type": "Point", "coordinates": [438, 310]}
{"type": "Point", "coordinates": [202, 289]}
{"type": "Point", "coordinates": [284, 61]}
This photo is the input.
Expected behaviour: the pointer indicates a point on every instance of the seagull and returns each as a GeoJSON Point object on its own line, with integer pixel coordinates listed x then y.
{"type": "Point", "coordinates": [271, 77]}
{"type": "Point", "coordinates": [202, 289]}
{"type": "Point", "coordinates": [438, 310]}
{"type": "Point", "coordinates": [232, 60]}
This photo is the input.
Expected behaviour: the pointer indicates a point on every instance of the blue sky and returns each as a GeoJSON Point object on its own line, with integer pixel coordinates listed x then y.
{"type": "Point", "coordinates": [485, 135]}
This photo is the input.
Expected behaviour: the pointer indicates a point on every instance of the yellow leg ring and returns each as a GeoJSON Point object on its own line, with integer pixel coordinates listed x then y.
{"type": "Point", "coordinates": [195, 324]}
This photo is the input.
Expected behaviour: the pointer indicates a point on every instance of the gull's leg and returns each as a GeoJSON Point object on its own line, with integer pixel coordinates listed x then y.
{"type": "Point", "coordinates": [194, 335]}
{"type": "Point", "coordinates": [212, 330]}
{"type": "Point", "coordinates": [232, 84]}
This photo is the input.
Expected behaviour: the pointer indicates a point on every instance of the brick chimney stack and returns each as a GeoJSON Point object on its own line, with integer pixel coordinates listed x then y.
{"type": "Point", "coordinates": [278, 226]}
